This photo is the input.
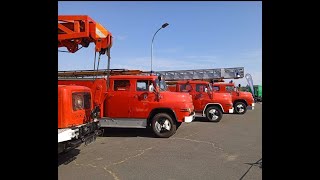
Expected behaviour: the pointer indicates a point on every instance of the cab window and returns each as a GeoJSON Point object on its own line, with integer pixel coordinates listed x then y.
{"type": "Point", "coordinates": [229, 88]}
{"type": "Point", "coordinates": [121, 85]}
{"type": "Point", "coordinates": [216, 88]}
{"type": "Point", "coordinates": [185, 88]}
{"type": "Point", "coordinates": [200, 87]}
{"type": "Point", "coordinates": [143, 85]}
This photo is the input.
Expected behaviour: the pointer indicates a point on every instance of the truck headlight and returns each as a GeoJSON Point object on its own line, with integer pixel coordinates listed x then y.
{"type": "Point", "coordinates": [77, 102]}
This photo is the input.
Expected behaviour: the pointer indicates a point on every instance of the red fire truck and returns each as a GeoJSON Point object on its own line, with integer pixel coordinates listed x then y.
{"type": "Point", "coordinates": [77, 116]}
{"type": "Point", "coordinates": [242, 101]}
{"type": "Point", "coordinates": [206, 102]}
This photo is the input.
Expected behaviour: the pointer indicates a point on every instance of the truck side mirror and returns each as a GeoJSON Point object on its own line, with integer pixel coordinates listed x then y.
{"type": "Point", "coordinates": [151, 88]}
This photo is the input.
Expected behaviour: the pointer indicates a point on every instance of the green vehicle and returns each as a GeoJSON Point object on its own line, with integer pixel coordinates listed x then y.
{"type": "Point", "coordinates": [257, 92]}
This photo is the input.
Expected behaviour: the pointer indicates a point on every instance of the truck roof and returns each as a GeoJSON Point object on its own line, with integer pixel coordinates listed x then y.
{"type": "Point", "coordinates": [192, 81]}
{"type": "Point", "coordinates": [223, 83]}
{"type": "Point", "coordinates": [75, 87]}
{"type": "Point", "coordinates": [151, 77]}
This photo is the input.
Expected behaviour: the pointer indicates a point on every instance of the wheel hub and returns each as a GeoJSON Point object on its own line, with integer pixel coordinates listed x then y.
{"type": "Point", "coordinates": [163, 125]}
{"type": "Point", "coordinates": [212, 112]}
{"type": "Point", "coordinates": [240, 108]}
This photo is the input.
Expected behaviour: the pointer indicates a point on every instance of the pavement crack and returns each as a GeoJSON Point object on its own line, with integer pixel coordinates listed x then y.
{"type": "Point", "coordinates": [226, 155]}
{"type": "Point", "coordinates": [130, 157]}
{"type": "Point", "coordinates": [92, 165]}
{"type": "Point", "coordinates": [124, 160]}
{"type": "Point", "coordinates": [206, 142]}
{"type": "Point", "coordinates": [191, 134]}
{"type": "Point", "coordinates": [77, 164]}
{"type": "Point", "coordinates": [115, 177]}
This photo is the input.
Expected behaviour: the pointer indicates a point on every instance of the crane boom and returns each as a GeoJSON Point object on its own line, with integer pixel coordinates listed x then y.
{"type": "Point", "coordinates": [75, 30]}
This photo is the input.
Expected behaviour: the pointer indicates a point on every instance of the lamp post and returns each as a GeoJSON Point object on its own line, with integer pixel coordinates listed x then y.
{"type": "Point", "coordinates": [163, 26]}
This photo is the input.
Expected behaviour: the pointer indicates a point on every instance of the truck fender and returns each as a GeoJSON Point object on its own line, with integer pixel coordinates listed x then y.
{"type": "Point", "coordinates": [204, 109]}
{"type": "Point", "coordinates": [165, 110]}
{"type": "Point", "coordinates": [241, 100]}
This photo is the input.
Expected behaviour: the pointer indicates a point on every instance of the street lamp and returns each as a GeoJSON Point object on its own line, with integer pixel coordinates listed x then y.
{"type": "Point", "coordinates": [163, 26]}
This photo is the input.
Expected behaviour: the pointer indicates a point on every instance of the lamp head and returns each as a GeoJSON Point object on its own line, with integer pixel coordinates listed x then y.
{"type": "Point", "coordinates": [164, 25]}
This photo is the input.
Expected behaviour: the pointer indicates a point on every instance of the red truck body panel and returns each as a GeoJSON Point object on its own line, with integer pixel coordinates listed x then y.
{"type": "Point", "coordinates": [201, 98]}
{"type": "Point", "coordinates": [236, 95]}
{"type": "Point", "coordinates": [67, 115]}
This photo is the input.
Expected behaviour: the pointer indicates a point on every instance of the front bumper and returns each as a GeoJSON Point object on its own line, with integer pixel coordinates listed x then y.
{"type": "Point", "coordinates": [189, 118]}
{"type": "Point", "coordinates": [250, 107]}
{"type": "Point", "coordinates": [231, 110]}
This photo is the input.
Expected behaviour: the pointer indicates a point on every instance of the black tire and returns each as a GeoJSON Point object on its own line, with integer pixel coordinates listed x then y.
{"type": "Point", "coordinates": [240, 108]}
{"type": "Point", "coordinates": [213, 114]}
{"type": "Point", "coordinates": [159, 121]}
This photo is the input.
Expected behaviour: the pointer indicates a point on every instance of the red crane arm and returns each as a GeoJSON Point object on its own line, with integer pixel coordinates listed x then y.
{"type": "Point", "coordinates": [75, 30]}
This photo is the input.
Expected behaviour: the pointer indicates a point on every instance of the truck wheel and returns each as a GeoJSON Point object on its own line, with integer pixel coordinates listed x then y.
{"type": "Point", "coordinates": [213, 114]}
{"type": "Point", "coordinates": [240, 108]}
{"type": "Point", "coordinates": [163, 125]}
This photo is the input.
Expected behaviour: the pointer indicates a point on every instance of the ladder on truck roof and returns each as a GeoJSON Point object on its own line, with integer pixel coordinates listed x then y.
{"type": "Point", "coordinates": [174, 75]}
{"type": "Point", "coordinates": [96, 73]}
{"type": "Point", "coordinates": [203, 74]}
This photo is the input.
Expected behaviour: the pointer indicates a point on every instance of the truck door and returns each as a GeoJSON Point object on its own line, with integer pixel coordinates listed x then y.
{"type": "Point", "coordinates": [141, 99]}
{"type": "Point", "coordinates": [118, 100]}
{"type": "Point", "coordinates": [201, 96]}
{"type": "Point", "coordinates": [189, 89]}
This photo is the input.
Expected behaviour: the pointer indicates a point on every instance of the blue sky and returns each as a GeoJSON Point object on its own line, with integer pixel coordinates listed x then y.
{"type": "Point", "coordinates": [200, 35]}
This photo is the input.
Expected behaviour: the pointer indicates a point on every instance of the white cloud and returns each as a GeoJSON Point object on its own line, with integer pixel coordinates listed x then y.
{"type": "Point", "coordinates": [251, 61]}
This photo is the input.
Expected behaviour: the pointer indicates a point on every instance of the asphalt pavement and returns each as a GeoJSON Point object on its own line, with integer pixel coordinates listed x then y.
{"type": "Point", "coordinates": [228, 150]}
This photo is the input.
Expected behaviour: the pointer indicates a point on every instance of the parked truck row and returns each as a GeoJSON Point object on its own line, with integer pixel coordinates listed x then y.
{"type": "Point", "coordinates": [138, 101]}
{"type": "Point", "coordinates": [129, 98]}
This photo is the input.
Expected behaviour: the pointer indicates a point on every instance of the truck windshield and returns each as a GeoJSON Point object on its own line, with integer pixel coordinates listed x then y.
{"type": "Point", "coordinates": [163, 85]}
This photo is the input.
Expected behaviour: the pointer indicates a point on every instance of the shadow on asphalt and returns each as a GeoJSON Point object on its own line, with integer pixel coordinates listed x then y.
{"type": "Point", "coordinates": [67, 157]}
{"type": "Point", "coordinates": [235, 114]}
{"type": "Point", "coordinates": [202, 119]}
{"type": "Point", "coordinates": [128, 132]}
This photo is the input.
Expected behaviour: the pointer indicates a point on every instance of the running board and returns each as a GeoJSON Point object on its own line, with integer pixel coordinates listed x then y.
{"type": "Point", "coordinates": [123, 122]}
